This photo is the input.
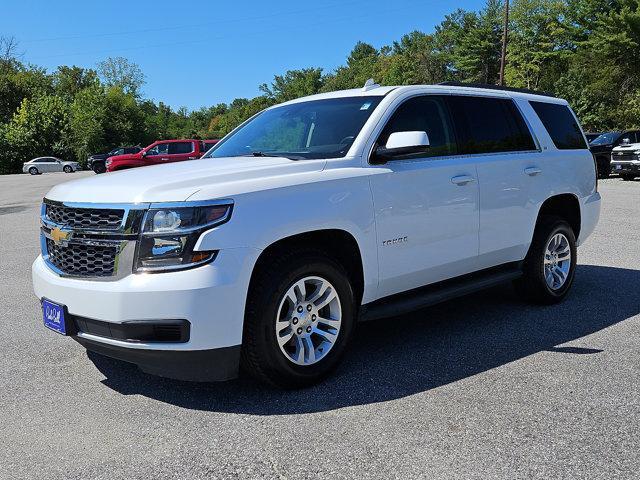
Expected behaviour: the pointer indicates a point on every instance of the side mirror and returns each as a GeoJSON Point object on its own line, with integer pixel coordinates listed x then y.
{"type": "Point", "coordinates": [626, 141]}
{"type": "Point", "coordinates": [400, 144]}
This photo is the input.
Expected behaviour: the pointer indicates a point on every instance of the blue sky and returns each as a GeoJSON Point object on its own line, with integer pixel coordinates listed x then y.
{"type": "Point", "coordinates": [197, 53]}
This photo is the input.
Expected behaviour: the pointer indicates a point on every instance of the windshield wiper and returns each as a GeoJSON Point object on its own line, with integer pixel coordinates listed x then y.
{"type": "Point", "coordinates": [290, 157]}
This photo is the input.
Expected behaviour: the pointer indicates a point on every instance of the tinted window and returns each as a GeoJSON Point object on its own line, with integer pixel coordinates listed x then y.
{"type": "Point", "coordinates": [180, 147]}
{"type": "Point", "coordinates": [490, 125]}
{"type": "Point", "coordinates": [423, 114]}
{"type": "Point", "coordinates": [561, 125]}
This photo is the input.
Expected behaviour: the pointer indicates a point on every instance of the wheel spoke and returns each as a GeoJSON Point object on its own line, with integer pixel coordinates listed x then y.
{"type": "Point", "coordinates": [281, 325]}
{"type": "Point", "coordinates": [299, 354]}
{"type": "Point", "coordinates": [310, 350]}
{"type": "Point", "coordinates": [329, 322]}
{"type": "Point", "coordinates": [321, 289]}
{"type": "Point", "coordinates": [283, 340]}
{"type": "Point", "coordinates": [328, 336]}
{"type": "Point", "coordinates": [326, 299]}
{"type": "Point", "coordinates": [300, 290]}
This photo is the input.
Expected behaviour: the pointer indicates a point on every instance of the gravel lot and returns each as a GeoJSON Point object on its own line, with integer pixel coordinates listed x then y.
{"type": "Point", "coordinates": [483, 387]}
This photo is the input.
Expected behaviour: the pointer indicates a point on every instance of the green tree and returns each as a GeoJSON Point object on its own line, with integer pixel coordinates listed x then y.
{"type": "Point", "coordinates": [294, 84]}
{"type": "Point", "coordinates": [120, 72]}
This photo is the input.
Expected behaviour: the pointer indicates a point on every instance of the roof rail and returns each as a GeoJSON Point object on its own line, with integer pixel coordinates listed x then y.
{"type": "Point", "coordinates": [496, 87]}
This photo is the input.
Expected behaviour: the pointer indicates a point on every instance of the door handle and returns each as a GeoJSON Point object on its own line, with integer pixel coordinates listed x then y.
{"type": "Point", "coordinates": [532, 171]}
{"type": "Point", "coordinates": [462, 179]}
{"type": "Point", "coordinates": [165, 159]}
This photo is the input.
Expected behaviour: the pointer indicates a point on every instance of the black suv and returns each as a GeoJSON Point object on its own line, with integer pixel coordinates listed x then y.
{"type": "Point", "coordinates": [97, 162]}
{"type": "Point", "coordinates": [602, 145]}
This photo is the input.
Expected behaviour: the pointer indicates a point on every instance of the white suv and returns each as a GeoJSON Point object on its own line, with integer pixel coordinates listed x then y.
{"type": "Point", "coordinates": [310, 216]}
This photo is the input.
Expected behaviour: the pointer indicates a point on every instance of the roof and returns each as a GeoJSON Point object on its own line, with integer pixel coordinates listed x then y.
{"type": "Point", "coordinates": [477, 89]}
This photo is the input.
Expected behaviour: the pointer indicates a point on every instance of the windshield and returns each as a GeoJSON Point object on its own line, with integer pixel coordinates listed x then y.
{"type": "Point", "coordinates": [306, 130]}
{"type": "Point", "coordinates": [605, 138]}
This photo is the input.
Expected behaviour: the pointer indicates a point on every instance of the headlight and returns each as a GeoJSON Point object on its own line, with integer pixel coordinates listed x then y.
{"type": "Point", "coordinates": [170, 233]}
{"type": "Point", "coordinates": [107, 163]}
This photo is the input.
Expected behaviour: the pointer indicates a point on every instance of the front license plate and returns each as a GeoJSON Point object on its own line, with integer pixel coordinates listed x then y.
{"type": "Point", "coordinates": [618, 167]}
{"type": "Point", "coordinates": [53, 316]}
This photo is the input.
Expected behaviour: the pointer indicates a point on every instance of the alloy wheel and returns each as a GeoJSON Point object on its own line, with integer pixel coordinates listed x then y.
{"type": "Point", "coordinates": [308, 320]}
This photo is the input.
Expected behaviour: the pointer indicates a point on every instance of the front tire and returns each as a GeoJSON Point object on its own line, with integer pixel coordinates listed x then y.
{"type": "Point", "coordinates": [299, 319]}
{"type": "Point", "coordinates": [33, 171]}
{"type": "Point", "coordinates": [98, 169]}
{"type": "Point", "coordinates": [627, 178]}
{"type": "Point", "coordinates": [550, 265]}
{"type": "Point", "coordinates": [67, 169]}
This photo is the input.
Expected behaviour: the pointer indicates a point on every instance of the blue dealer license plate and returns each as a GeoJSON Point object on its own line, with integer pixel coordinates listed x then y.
{"type": "Point", "coordinates": [53, 316]}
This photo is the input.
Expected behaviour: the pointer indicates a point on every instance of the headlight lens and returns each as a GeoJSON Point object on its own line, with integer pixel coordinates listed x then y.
{"type": "Point", "coordinates": [170, 234]}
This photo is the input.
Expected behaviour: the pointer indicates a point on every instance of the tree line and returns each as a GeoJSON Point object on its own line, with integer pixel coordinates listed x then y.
{"type": "Point", "coordinates": [587, 51]}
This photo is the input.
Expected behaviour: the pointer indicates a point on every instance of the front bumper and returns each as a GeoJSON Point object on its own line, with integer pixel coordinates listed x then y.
{"type": "Point", "coordinates": [211, 298]}
{"type": "Point", "coordinates": [631, 167]}
{"type": "Point", "coordinates": [215, 365]}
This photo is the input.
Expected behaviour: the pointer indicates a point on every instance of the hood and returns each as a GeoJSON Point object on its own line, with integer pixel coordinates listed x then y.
{"type": "Point", "coordinates": [601, 148]}
{"type": "Point", "coordinates": [629, 147]}
{"type": "Point", "coordinates": [126, 156]}
{"type": "Point", "coordinates": [176, 182]}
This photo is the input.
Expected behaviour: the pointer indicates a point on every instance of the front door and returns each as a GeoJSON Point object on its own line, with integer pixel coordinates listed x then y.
{"type": "Point", "coordinates": [426, 205]}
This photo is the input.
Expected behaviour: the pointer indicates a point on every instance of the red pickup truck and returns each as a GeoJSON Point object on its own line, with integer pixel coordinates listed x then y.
{"type": "Point", "coordinates": [161, 151]}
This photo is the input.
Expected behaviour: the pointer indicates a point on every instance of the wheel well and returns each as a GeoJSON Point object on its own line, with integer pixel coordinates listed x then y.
{"type": "Point", "coordinates": [565, 206]}
{"type": "Point", "coordinates": [340, 245]}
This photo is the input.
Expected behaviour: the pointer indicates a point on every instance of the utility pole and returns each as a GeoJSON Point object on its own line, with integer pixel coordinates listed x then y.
{"type": "Point", "coordinates": [505, 33]}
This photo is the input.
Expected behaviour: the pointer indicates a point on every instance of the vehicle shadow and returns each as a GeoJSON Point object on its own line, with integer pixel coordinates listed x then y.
{"type": "Point", "coordinates": [401, 356]}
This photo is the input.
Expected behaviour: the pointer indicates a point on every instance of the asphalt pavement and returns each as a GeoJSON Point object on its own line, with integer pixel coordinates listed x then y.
{"type": "Point", "coordinates": [480, 387]}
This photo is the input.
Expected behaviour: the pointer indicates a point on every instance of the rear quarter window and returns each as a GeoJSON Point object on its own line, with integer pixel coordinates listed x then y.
{"type": "Point", "coordinates": [561, 125]}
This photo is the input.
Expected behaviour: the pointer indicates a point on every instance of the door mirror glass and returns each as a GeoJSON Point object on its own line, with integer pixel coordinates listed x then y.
{"type": "Point", "coordinates": [626, 141]}
{"type": "Point", "coordinates": [400, 144]}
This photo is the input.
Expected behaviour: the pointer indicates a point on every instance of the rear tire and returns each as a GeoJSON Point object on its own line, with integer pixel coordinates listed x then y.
{"type": "Point", "coordinates": [547, 272]}
{"type": "Point", "coordinates": [273, 333]}
{"type": "Point", "coordinates": [33, 171]}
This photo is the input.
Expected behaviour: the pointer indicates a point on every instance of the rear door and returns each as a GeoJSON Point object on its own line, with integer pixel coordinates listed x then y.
{"type": "Point", "coordinates": [426, 205]}
{"type": "Point", "coordinates": [494, 134]}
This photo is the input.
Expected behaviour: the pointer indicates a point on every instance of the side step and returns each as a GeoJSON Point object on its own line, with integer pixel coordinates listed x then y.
{"type": "Point", "coordinates": [419, 298]}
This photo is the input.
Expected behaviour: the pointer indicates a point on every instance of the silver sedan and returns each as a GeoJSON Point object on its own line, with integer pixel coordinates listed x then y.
{"type": "Point", "coordinates": [49, 164]}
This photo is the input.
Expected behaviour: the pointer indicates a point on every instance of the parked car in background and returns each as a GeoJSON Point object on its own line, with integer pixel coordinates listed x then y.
{"type": "Point", "coordinates": [343, 206]}
{"type": "Point", "coordinates": [625, 161]}
{"type": "Point", "coordinates": [162, 151]}
{"type": "Point", "coordinates": [49, 164]}
{"type": "Point", "coordinates": [602, 146]}
{"type": "Point", "coordinates": [592, 136]}
{"type": "Point", "coordinates": [97, 162]}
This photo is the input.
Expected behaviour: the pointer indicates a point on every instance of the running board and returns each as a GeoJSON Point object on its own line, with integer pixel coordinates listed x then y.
{"type": "Point", "coordinates": [419, 298]}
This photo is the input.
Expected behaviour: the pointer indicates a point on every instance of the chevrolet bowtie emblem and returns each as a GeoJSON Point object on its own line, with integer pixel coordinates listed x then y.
{"type": "Point", "coordinates": [59, 236]}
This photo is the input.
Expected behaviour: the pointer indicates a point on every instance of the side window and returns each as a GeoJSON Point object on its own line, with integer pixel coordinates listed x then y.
{"type": "Point", "coordinates": [180, 147]}
{"type": "Point", "coordinates": [160, 149]}
{"type": "Point", "coordinates": [429, 114]}
{"type": "Point", "coordinates": [561, 125]}
{"type": "Point", "coordinates": [490, 125]}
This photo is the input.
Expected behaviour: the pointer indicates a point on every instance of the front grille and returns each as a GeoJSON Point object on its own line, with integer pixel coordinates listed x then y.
{"type": "Point", "coordinates": [85, 218]}
{"type": "Point", "coordinates": [83, 260]}
{"type": "Point", "coordinates": [625, 157]}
